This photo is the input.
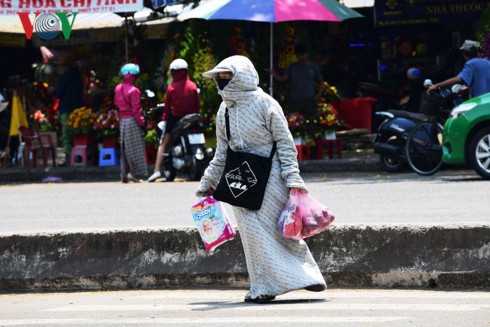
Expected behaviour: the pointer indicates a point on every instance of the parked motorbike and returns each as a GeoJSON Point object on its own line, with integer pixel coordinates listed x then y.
{"type": "Point", "coordinates": [187, 152]}
{"type": "Point", "coordinates": [390, 140]}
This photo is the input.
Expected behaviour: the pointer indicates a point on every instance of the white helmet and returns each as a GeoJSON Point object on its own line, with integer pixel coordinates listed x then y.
{"type": "Point", "coordinates": [178, 64]}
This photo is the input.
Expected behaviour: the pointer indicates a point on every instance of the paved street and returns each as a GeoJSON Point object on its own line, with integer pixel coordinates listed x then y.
{"type": "Point", "coordinates": [451, 196]}
{"type": "Point", "coordinates": [338, 307]}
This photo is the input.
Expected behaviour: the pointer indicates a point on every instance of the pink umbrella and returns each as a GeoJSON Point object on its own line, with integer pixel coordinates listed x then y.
{"type": "Point", "coordinates": [272, 11]}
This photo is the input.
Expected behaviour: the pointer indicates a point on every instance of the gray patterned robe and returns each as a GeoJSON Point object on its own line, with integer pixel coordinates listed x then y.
{"type": "Point", "coordinates": [276, 265]}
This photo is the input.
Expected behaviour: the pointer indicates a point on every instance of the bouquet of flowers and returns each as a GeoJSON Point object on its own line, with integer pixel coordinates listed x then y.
{"type": "Point", "coordinates": [330, 93]}
{"type": "Point", "coordinates": [81, 121]}
{"type": "Point", "coordinates": [297, 124]}
{"type": "Point", "coordinates": [42, 120]}
{"type": "Point", "coordinates": [327, 119]}
{"type": "Point", "coordinates": [107, 124]}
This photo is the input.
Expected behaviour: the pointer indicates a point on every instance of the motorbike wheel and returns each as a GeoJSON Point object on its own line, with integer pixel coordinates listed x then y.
{"type": "Point", "coordinates": [169, 173]}
{"type": "Point", "coordinates": [424, 148]}
{"type": "Point", "coordinates": [196, 170]}
{"type": "Point", "coordinates": [480, 153]}
{"type": "Point", "coordinates": [391, 165]}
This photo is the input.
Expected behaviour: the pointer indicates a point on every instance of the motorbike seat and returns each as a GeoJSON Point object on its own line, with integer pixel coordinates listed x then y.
{"type": "Point", "coordinates": [408, 114]}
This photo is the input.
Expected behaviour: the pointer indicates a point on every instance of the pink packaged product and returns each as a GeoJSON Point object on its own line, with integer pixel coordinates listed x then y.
{"type": "Point", "coordinates": [212, 222]}
{"type": "Point", "coordinates": [303, 216]}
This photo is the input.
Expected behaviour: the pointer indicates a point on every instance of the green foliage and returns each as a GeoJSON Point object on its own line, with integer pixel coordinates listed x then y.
{"type": "Point", "coordinates": [484, 25]}
{"type": "Point", "coordinates": [197, 51]}
{"type": "Point", "coordinates": [151, 136]}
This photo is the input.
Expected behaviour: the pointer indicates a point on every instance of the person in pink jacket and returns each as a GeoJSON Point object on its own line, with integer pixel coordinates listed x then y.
{"type": "Point", "coordinates": [127, 98]}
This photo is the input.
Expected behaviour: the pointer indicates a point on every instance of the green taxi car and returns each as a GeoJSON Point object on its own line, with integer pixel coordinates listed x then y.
{"type": "Point", "coordinates": [466, 137]}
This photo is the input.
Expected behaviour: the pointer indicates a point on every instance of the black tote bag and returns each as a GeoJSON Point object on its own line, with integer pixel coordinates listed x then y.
{"type": "Point", "coordinates": [244, 177]}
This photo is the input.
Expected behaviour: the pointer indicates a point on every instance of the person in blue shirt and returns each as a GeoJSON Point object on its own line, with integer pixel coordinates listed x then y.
{"type": "Point", "coordinates": [475, 73]}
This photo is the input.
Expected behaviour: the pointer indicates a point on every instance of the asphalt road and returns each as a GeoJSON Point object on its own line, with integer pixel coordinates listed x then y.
{"type": "Point", "coordinates": [341, 307]}
{"type": "Point", "coordinates": [355, 198]}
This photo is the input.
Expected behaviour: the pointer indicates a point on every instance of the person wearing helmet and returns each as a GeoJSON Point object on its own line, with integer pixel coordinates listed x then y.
{"type": "Point", "coordinates": [181, 99]}
{"type": "Point", "coordinates": [127, 98]}
{"type": "Point", "coordinates": [475, 73]}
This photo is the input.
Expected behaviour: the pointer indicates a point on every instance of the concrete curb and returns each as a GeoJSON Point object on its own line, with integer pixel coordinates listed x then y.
{"type": "Point", "coordinates": [445, 256]}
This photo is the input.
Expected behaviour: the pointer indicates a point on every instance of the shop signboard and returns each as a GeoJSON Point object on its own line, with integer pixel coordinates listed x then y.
{"type": "Point", "coordinates": [409, 12]}
{"type": "Point", "coordinates": [12, 7]}
{"type": "Point", "coordinates": [50, 17]}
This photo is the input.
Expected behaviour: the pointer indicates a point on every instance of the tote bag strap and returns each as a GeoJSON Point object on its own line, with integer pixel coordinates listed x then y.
{"type": "Point", "coordinates": [228, 136]}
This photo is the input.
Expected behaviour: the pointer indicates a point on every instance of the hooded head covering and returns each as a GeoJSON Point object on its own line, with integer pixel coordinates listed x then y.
{"type": "Point", "coordinates": [243, 86]}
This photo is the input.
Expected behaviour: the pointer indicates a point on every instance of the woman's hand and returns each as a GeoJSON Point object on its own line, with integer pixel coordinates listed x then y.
{"type": "Point", "coordinates": [296, 189]}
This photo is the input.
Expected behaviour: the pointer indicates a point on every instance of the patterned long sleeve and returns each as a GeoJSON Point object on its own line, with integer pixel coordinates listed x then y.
{"type": "Point", "coordinates": [214, 171]}
{"type": "Point", "coordinates": [286, 150]}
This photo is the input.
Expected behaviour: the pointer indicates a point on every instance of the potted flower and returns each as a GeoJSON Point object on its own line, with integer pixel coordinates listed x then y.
{"type": "Point", "coordinates": [298, 128]}
{"type": "Point", "coordinates": [330, 93]}
{"type": "Point", "coordinates": [327, 120]}
{"type": "Point", "coordinates": [45, 127]}
{"type": "Point", "coordinates": [107, 127]}
{"type": "Point", "coordinates": [80, 125]}
{"type": "Point", "coordinates": [151, 144]}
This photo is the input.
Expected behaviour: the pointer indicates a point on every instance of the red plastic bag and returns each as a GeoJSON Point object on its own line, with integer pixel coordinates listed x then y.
{"type": "Point", "coordinates": [303, 216]}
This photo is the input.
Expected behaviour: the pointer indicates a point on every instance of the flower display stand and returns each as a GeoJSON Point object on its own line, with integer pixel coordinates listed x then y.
{"type": "Point", "coordinates": [110, 142]}
{"type": "Point", "coordinates": [82, 153]}
{"type": "Point", "coordinates": [356, 112]}
{"type": "Point", "coordinates": [302, 148]}
{"type": "Point", "coordinates": [331, 140]}
{"type": "Point", "coordinates": [82, 140]}
{"type": "Point", "coordinates": [81, 156]}
{"type": "Point", "coordinates": [52, 134]}
{"type": "Point", "coordinates": [109, 157]}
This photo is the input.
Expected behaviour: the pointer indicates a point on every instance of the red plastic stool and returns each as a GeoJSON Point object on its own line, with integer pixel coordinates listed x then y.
{"type": "Point", "coordinates": [81, 156]}
{"type": "Point", "coordinates": [303, 152]}
{"type": "Point", "coordinates": [331, 143]}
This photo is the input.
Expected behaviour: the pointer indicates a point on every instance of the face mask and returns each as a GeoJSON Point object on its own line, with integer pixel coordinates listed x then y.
{"type": "Point", "coordinates": [222, 83]}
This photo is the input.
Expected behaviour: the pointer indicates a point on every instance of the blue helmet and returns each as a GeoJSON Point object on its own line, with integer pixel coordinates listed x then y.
{"type": "Point", "coordinates": [131, 69]}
